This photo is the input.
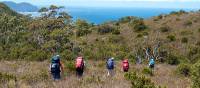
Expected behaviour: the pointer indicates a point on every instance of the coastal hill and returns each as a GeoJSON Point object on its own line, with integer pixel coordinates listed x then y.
{"type": "Point", "coordinates": [21, 7]}
{"type": "Point", "coordinates": [27, 45]}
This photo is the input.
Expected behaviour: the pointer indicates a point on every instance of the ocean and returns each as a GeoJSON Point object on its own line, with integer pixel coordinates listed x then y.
{"type": "Point", "coordinates": [101, 15]}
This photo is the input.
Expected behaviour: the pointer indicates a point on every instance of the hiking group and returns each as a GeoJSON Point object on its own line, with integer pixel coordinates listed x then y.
{"type": "Point", "coordinates": [57, 67]}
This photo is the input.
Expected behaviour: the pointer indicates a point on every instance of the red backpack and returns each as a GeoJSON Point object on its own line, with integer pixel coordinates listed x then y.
{"type": "Point", "coordinates": [125, 64]}
{"type": "Point", "coordinates": [79, 62]}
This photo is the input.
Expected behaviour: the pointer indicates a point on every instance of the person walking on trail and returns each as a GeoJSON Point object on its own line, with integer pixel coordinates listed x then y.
{"type": "Point", "coordinates": [56, 67]}
{"type": "Point", "coordinates": [151, 63]}
{"type": "Point", "coordinates": [110, 66]}
{"type": "Point", "coordinates": [125, 65]}
{"type": "Point", "coordinates": [80, 64]}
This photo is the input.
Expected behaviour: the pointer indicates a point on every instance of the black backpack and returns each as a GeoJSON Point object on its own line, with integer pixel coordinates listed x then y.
{"type": "Point", "coordinates": [55, 65]}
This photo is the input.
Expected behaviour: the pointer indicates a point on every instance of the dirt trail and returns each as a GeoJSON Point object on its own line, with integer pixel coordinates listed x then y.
{"type": "Point", "coordinates": [94, 76]}
{"type": "Point", "coordinates": [165, 75]}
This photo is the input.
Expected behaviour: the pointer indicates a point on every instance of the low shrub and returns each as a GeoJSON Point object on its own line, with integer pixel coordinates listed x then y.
{"type": "Point", "coordinates": [82, 32]}
{"type": "Point", "coordinates": [38, 55]}
{"type": "Point", "coordinates": [105, 28]}
{"type": "Point", "coordinates": [184, 40]}
{"type": "Point", "coordinates": [139, 35]}
{"type": "Point", "coordinates": [115, 39]}
{"type": "Point", "coordinates": [70, 66]}
{"type": "Point", "coordinates": [4, 77]}
{"type": "Point", "coordinates": [183, 69]}
{"type": "Point", "coordinates": [116, 32]}
{"type": "Point", "coordinates": [195, 75]}
{"type": "Point", "coordinates": [188, 23]}
{"type": "Point", "coordinates": [165, 29]}
{"type": "Point", "coordinates": [147, 71]}
{"type": "Point", "coordinates": [188, 32]}
{"type": "Point", "coordinates": [139, 82]}
{"type": "Point", "coordinates": [138, 24]}
{"type": "Point", "coordinates": [171, 38]}
{"type": "Point", "coordinates": [172, 60]}
{"type": "Point", "coordinates": [199, 30]}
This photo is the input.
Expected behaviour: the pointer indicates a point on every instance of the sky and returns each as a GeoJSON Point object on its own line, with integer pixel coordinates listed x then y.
{"type": "Point", "coordinates": [117, 3]}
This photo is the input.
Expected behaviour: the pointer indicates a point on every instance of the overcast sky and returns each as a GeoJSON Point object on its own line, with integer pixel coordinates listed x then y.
{"type": "Point", "coordinates": [118, 3]}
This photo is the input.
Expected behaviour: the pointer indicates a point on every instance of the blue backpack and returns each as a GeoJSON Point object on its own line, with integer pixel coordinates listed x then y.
{"type": "Point", "coordinates": [55, 64]}
{"type": "Point", "coordinates": [110, 64]}
{"type": "Point", "coordinates": [152, 62]}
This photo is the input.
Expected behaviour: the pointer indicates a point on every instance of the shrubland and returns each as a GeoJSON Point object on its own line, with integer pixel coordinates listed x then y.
{"type": "Point", "coordinates": [24, 38]}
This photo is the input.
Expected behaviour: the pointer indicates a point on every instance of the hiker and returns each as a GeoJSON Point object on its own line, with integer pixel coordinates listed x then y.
{"type": "Point", "coordinates": [110, 66]}
{"type": "Point", "coordinates": [151, 63]}
{"type": "Point", "coordinates": [80, 64]}
{"type": "Point", "coordinates": [125, 65]}
{"type": "Point", "coordinates": [138, 59]}
{"type": "Point", "coordinates": [56, 67]}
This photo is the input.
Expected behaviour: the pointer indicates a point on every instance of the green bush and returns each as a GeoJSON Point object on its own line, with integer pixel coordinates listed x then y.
{"type": "Point", "coordinates": [142, 34]}
{"type": "Point", "coordinates": [139, 35]}
{"type": "Point", "coordinates": [147, 71]}
{"type": "Point", "coordinates": [183, 69]}
{"type": "Point", "coordinates": [171, 37]}
{"type": "Point", "coordinates": [199, 30]}
{"type": "Point", "coordinates": [116, 32]}
{"type": "Point", "coordinates": [139, 82]}
{"type": "Point", "coordinates": [188, 23]}
{"type": "Point", "coordinates": [194, 54]}
{"type": "Point", "coordinates": [105, 28]}
{"type": "Point", "coordinates": [138, 24]}
{"type": "Point", "coordinates": [165, 29]}
{"type": "Point", "coordinates": [7, 77]}
{"type": "Point", "coordinates": [115, 39]}
{"type": "Point", "coordinates": [188, 32]}
{"type": "Point", "coordinates": [70, 66]}
{"type": "Point", "coordinates": [38, 55]}
{"type": "Point", "coordinates": [172, 60]}
{"type": "Point", "coordinates": [184, 40]}
{"type": "Point", "coordinates": [82, 32]}
{"type": "Point", "coordinates": [195, 75]}
{"type": "Point", "coordinates": [126, 19]}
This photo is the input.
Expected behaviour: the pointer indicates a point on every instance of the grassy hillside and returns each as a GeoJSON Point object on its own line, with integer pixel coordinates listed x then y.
{"type": "Point", "coordinates": [28, 43]}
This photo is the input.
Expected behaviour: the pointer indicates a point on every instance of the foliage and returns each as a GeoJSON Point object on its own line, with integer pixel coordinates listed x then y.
{"type": "Point", "coordinates": [7, 77]}
{"type": "Point", "coordinates": [126, 19]}
{"type": "Point", "coordinates": [184, 40]}
{"type": "Point", "coordinates": [181, 12]}
{"type": "Point", "coordinates": [139, 82]}
{"type": "Point", "coordinates": [188, 23]}
{"type": "Point", "coordinates": [105, 28]}
{"type": "Point", "coordinates": [147, 71]}
{"type": "Point", "coordinates": [188, 32]}
{"type": "Point", "coordinates": [183, 69]}
{"type": "Point", "coordinates": [165, 29]}
{"type": "Point", "coordinates": [138, 24]}
{"type": "Point", "coordinates": [195, 73]}
{"type": "Point", "coordinates": [70, 66]}
{"type": "Point", "coordinates": [171, 38]}
{"type": "Point", "coordinates": [4, 9]}
{"type": "Point", "coordinates": [115, 39]}
{"type": "Point", "coordinates": [172, 59]}
{"type": "Point", "coordinates": [194, 54]}
{"type": "Point", "coordinates": [199, 30]}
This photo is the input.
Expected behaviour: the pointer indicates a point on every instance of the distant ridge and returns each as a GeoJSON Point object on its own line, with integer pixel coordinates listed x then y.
{"type": "Point", "coordinates": [4, 9]}
{"type": "Point", "coordinates": [21, 7]}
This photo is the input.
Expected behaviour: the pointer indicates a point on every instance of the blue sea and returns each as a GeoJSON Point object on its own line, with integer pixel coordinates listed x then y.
{"type": "Point", "coordinates": [101, 15]}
